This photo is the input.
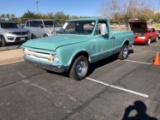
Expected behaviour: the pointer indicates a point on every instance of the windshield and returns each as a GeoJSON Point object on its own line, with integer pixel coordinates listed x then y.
{"type": "Point", "coordinates": [78, 27]}
{"type": "Point", "coordinates": [9, 25]}
{"type": "Point", "coordinates": [50, 24]}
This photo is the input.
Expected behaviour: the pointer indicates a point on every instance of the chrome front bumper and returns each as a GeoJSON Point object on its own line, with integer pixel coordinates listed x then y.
{"type": "Point", "coordinates": [58, 69]}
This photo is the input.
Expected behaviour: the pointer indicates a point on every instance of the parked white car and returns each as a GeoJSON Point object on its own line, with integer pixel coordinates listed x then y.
{"type": "Point", "coordinates": [10, 32]}
{"type": "Point", "coordinates": [42, 27]}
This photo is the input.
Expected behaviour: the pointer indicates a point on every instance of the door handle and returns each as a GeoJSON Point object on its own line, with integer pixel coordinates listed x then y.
{"type": "Point", "coordinates": [92, 46]}
{"type": "Point", "coordinates": [113, 37]}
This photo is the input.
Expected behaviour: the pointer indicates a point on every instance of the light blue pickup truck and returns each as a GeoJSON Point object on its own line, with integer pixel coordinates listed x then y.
{"type": "Point", "coordinates": [79, 43]}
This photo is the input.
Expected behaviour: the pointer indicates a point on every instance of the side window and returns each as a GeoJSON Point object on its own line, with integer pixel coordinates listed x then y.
{"type": "Point", "coordinates": [153, 30]}
{"type": "Point", "coordinates": [71, 27]}
{"type": "Point", "coordinates": [31, 23]}
{"type": "Point", "coordinates": [56, 24]}
{"type": "Point", "coordinates": [39, 23]}
{"type": "Point", "coordinates": [149, 29]}
{"type": "Point", "coordinates": [99, 25]}
{"type": "Point", "coordinates": [35, 23]}
{"type": "Point", "coordinates": [27, 24]}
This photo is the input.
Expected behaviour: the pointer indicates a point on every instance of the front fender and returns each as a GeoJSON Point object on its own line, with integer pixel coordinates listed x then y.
{"type": "Point", "coordinates": [69, 52]}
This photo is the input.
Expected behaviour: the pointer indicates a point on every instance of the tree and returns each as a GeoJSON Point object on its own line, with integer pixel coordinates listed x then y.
{"type": "Point", "coordinates": [129, 9]}
{"type": "Point", "coordinates": [7, 15]}
{"type": "Point", "coordinates": [12, 15]}
{"type": "Point", "coordinates": [61, 17]}
{"type": "Point", "coordinates": [29, 14]}
{"type": "Point", "coordinates": [156, 17]}
{"type": "Point", "coordinates": [2, 15]}
{"type": "Point", "coordinates": [109, 8]}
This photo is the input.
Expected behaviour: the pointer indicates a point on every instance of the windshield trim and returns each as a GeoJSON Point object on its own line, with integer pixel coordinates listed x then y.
{"type": "Point", "coordinates": [9, 25]}
{"type": "Point", "coordinates": [91, 24]}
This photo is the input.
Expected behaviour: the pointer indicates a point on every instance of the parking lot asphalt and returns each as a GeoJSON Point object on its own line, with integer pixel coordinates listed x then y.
{"type": "Point", "coordinates": [114, 89]}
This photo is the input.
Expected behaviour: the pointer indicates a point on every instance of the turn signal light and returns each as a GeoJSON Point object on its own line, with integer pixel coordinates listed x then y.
{"type": "Point", "coordinates": [49, 59]}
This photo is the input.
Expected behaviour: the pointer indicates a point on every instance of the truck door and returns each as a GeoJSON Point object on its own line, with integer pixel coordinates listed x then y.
{"type": "Point", "coordinates": [103, 42]}
{"type": "Point", "coordinates": [36, 29]}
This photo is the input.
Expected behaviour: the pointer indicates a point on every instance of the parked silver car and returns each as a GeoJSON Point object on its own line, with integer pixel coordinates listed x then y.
{"type": "Point", "coordinates": [42, 27]}
{"type": "Point", "coordinates": [10, 32]}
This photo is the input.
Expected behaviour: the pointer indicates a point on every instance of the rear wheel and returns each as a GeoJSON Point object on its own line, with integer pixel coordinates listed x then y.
{"type": "Point", "coordinates": [45, 35]}
{"type": "Point", "coordinates": [156, 40]}
{"type": "Point", "coordinates": [79, 68]}
{"type": "Point", "coordinates": [3, 41]}
{"type": "Point", "coordinates": [124, 52]}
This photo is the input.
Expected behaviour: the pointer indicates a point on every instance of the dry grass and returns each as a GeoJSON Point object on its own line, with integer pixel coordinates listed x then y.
{"type": "Point", "coordinates": [120, 27]}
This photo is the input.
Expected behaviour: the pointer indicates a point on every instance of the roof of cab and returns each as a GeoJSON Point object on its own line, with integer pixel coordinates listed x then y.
{"type": "Point", "coordinates": [7, 22]}
{"type": "Point", "coordinates": [82, 19]}
{"type": "Point", "coordinates": [41, 20]}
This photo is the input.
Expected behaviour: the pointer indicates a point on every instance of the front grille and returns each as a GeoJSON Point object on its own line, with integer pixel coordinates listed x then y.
{"type": "Point", "coordinates": [20, 33]}
{"type": "Point", "coordinates": [38, 54]}
{"type": "Point", "coordinates": [20, 39]}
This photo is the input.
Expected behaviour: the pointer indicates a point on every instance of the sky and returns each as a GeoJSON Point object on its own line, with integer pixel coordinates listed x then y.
{"type": "Point", "coordinates": [68, 7]}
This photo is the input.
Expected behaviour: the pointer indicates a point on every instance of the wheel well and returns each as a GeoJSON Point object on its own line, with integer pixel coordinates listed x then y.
{"type": "Point", "coordinates": [1, 36]}
{"type": "Point", "coordinates": [33, 35]}
{"type": "Point", "coordinates": [79, 54]}
{"type": "Point", "coordinates": [126, 42]}
{"type": "Point", "coordinates": [45, 34]}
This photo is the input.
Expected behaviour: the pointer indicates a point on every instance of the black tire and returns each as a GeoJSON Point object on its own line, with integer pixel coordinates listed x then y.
{"type": "Point", "coordinates": [45, 35]}
{"type": "Point", "coordinates": [79, 68]}
{"type": "Point", "coordinates": [148, 42]}
{"type": "Point", "coordinates": [3, 41]}
{"type": "Point", "coordinates": [156, 39]}
{"type": "Point", "coordinates": [33, 36]}
{"type": "Point", "coordinates": [124, 52]}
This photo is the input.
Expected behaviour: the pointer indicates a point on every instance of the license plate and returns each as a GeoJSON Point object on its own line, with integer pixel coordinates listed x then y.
{"type": "Point", "coordinates": [22, 38]}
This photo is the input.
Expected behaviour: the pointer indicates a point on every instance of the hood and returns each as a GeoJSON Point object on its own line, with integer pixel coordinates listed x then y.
{"type": "Point", "coordinates": [17, 29]}
{"type": "Point", "coordinates": [51, 43]}
{"type": "Point", "coordinates": [138, 26]}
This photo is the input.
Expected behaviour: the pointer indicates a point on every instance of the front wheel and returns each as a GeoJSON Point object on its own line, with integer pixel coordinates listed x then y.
{"type": "Point", "coordinates": [149, 42]}
{"type": "Point", "coordinates": [33, 36]}
{"type": "Point", "coordinates": [124, 52]}
{"type": "Point", "coordinates": [3, 41]}
{"type": "Point", "coordinates": [79, 69]}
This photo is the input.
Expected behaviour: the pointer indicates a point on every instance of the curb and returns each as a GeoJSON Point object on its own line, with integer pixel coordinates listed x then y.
{"type": "Point", "coordinates": [9, 61]}
{"type": "Point", "coordinates": [11, 56]}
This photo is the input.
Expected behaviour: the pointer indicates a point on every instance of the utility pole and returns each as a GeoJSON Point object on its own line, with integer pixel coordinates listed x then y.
{"type": "Point", "coordinates": [37, 5]}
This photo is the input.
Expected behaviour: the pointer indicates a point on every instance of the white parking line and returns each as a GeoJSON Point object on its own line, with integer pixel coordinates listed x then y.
{"type": "Point", "coordinates": [40, 87]}
{"type": "Point", "coordinates": [23, 76]}
{"type": "Point", "coordinates": [1, 64]}
{"type": "Point", "coordinates": [138, 62]}
{"type": "Point", "coordinates": [119, 88]}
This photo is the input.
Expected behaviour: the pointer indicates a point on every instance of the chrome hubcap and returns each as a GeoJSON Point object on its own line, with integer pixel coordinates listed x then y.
{"type": "Point", "coordinates": [125, 52]}
{"type": "Point", "coordinates": [81, 69]}
{"type": "Point", "coordinates": [149, 42]}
